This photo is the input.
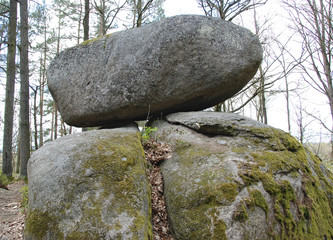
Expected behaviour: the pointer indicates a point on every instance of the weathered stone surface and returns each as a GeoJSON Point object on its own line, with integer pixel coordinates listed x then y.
{"type": "Point", "coordinates": [181, 63]}
{"type": "Point", "coordinates": [211, 123]}
{"type": "Point", "coordinates": [90, 185]}
{"type": "Point", "coordinates": [244, 181]}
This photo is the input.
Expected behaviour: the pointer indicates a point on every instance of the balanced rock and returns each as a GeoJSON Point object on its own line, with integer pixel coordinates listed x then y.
{"type": "Point", "coordinates": [240, 179]}
{"type": "Point", "coordinates": [90, 185]}
{"type": "Point", "coordinates": [181, 63]}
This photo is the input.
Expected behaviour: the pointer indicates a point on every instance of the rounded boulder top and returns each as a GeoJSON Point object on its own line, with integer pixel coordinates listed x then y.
{"type": "Point", "coordinates": [181, 63]}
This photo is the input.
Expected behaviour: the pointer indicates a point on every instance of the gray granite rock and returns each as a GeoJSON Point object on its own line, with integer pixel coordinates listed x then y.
{"type": "Point", "coordinates": [181, 63]}
{"type": "Point", "coordinates": [250, 182]}
{"type": "Point", "coordinates": [91, 185]}
{"type": "Point", "coordinates": [216, 123]}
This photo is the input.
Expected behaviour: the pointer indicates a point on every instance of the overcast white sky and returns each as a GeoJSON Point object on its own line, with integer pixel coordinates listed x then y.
{"type": "Point", "coordinates": [178, 7]}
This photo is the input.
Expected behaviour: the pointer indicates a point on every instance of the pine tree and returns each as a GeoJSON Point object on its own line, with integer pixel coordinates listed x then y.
{"type": "Point", "coordinates": [7, 156]}
{"type": "Point", "coordinates": [24, 92]}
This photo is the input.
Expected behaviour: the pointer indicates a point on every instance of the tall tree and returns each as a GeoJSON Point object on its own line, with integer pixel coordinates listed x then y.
{"type": "Point", "coordinates": [262, 111]}
{"type": "Point", "coordinates": [42, 83]}
{"type": "Point", "coordinates": [313, 23]}
{"type": "Point", "coordinates": [4, 19]}
{"type": "Point", "coordinates": [7, 156]}
{"type": "Point", "coordinates": [35, 92]}
{"type": "Point", "coordinates": [145, 11]}
{"type": "Point", "coordinates": [24, 91]}
{"type": "Point", "coordinates": [287, 64]}
{"type": "Point", "coordinates": [107, 14]}
{"type": "Point", "coordinates": [86, 20]}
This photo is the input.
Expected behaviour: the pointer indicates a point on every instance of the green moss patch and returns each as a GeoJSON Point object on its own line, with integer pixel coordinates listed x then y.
{"type": "Point", "coordinates": [87, 42]}
{"type": "Point", "coordinates": [257, 199]}
{"type": "Point", "coordinates": [275, 161]}
{"type": "Point", "coordinates": [107, 192]}
{"type": "Point", "coordinates": [240, 214]}
{"type": "Point", "coordinates": [38, 224]}
{"type": "Point", "coordinates": [284, 155]}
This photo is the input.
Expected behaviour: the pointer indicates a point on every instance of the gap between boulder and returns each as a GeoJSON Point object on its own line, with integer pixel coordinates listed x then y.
{"type": "Point", "coordinates": [155, 153]}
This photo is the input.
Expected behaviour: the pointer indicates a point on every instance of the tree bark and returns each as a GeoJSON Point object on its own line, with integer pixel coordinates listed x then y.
{"type": "Point", "coordinates": [102, 24]}
{"type": "Point", "coordinates": [86, 20]}
{"type": "Point", "coordinates": [18, 165]}
{"type": "Point", "coordinates": [79, 24]}
{"type": "Point", "coordinates": [262, 102]}
{"type": "Point", "coordinates": [35, 118]}
{"type": "Point", "coordinates": [55, 120]}
{"type": "Point", "coordinates": [24, 92]}
{"type": "Point", "coordinates": [287, 95]}
{"type": "Point", "coordinates": [41, 87]}
{"type": "Point", "coordinates": [7, 155]}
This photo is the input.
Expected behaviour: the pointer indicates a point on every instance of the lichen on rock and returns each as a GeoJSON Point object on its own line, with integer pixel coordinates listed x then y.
{"type": "Point", "coordinates": [253, 181]}
{"type": "Point", "coordinates": [94, 188]}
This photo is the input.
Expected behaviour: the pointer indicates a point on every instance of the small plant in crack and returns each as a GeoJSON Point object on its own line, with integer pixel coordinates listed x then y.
{"type": "Point", "coordinates": [146, 133]}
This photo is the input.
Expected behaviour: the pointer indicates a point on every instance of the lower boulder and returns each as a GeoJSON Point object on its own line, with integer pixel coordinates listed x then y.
{"type": "Point", "coordinates": [90, 185]}
{"type": "Point", "coordinates": [233, 178]}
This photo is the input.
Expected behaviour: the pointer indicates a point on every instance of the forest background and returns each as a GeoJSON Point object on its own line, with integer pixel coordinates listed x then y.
{"type": "Point", "coordinates": [292, 89]}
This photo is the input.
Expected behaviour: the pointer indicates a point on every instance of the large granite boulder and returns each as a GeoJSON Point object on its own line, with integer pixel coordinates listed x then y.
{"type": "Point", "coordinates": [90, 185]}
{"type": "Point", "coordinates": [181, 63]}
{"type": "Point", "coordinates": [233, 178]}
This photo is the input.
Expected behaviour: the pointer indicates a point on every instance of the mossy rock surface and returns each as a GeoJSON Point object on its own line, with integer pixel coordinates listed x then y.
{"type": "Point", "coordinates": [90, 185]}
{"type": "Point", "coordinates": [250, 182]}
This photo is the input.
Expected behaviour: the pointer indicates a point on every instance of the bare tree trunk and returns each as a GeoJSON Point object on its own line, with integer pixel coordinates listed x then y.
{"type": "Point", "coordinates": [24, 93]}
{"type": "Point", "coordinates": [287, 97]}
{"type": "Point", "coordinates": [79, 24]}
{"type": "Point", "coordinates": [62, 127]}
{"type": "Point", "coordinates": [139, 12]}
{"type": "Point", "coordinates": [42, 85]}
{"type": "Point", "coordinates": [102, 23]}
{"type": "Point", "coordinates": [300, 125]}
{"type": "Point", "coordinates": [262, 97]}
{"type": "Point", "coordinates": [86, 20]}
{"type": "Point", "coordinates": [7, 154]}
{"type": "Point", "coordinates": [35, 118]}
{"type": "Point", "coordinates": [134, 13]}
{"type": "Point", "coordinates": [41, 107]}
{"type": "Point", "coordinates": [52, 123]}
{"type": "Point", "coordinates": [54, 134]}
{"type": "Point", "coordinates": [55, 107]}
{"type": "Point", "coordinates": [18, 165]}
{"type": "Point", "coordinates": [141, 9]}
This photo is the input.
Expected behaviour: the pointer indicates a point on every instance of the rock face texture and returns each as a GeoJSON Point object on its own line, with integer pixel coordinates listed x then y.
{"type": "Point", "coordinates": [91, 185]}
{"type": "Point", "coordinates": [181, 63]}
{"type": "Point", "coordinates": [233, 178]}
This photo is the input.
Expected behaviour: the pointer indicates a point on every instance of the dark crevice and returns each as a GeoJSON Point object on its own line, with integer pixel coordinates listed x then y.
{"type": "Point", "coordinates": [155, 153]}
